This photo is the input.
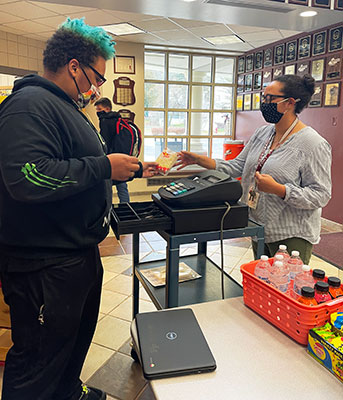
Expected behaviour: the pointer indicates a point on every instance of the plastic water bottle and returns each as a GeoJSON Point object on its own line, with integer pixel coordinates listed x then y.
{"type": "Point", "coordinates": [262, 269]}
{"type": "Point", "coordinates": [303, 279]}
{"type": "Point", "coordinates": [279, 276]}
{"type": "Point", "coordinates": [283, 251]}
{"type": "Point", "coordinates": [294, 264]}
{"type": "Point", "coordinates": [278, 257]}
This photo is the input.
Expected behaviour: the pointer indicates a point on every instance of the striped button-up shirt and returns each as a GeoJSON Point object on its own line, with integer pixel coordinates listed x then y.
{"type": "Point", "coordinates": [303, 164]}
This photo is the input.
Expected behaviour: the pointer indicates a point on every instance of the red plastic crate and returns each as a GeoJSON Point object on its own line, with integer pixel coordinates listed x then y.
{"type": "Point", "coordinates": [293, 318]}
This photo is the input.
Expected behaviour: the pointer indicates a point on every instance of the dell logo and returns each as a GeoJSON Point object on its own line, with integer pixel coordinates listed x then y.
{"type": "Point", "coordinates": [171, 335]}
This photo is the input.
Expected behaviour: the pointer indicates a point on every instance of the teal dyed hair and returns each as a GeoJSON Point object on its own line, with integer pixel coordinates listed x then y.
{"type": "Point", "coordinates": [98, 36]}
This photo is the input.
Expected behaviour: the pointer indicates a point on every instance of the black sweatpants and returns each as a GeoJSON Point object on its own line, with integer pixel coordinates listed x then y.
{"type": "Point", "coordinates": [54, 312]}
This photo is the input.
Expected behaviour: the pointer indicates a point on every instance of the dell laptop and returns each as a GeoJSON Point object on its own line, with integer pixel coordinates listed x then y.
{"type": "Point", "coordinates": [170, 343]}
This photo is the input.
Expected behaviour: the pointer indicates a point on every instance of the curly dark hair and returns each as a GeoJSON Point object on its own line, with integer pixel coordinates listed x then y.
{"type": "Point", "coordinates": [105, 102]}
{"type": "Point", "coordinates": [299, 88]}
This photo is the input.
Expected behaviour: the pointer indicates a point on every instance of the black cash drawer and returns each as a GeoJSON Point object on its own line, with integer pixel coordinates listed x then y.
{"type": "Point", "coordinates": [138, 217]}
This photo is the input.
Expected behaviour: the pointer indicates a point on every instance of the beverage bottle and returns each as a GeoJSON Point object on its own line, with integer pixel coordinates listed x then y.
{"type": "Point", "coordinates": [302, 279]}
{"type": "Point", "coordinates": [321, 292]}
{"type": "Point", "coordinates": [279, 276]}
{"type": "Point", "coordinates": [335, 289]}
{"type": "Point", "coordinates": [318, 274]}
{"type": "Point", "coordinates": [294, 264]}
{"type": "Point", "coordinates": [283, 251]}
{"type": "Point", "coordinates": [262, 269]}
{"type": "Point", "coordinates": [307, 296]}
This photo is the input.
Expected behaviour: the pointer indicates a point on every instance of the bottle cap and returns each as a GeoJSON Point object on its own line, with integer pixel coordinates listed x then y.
{"type": "Point", "coordinates": [279, 257]}
{"type": "Point", "coordinates": [318, 273]}
{"type": "Point", "coordinates": [307, 291]}
{"type": "Point", "coordinates": [264, 258]}
{"type": "Point", "coordinates": [306, 268]}
{"type": "Point", "coordinates": [295, 253]}
{"type": "Point", "coordinates": [334, 282]}
{"type": "Point", "coordinates": [322, 286]}
{"type": "Point", "coordinates": [278, 264]}
{"type": "Point", "coordinates": [283, 247]}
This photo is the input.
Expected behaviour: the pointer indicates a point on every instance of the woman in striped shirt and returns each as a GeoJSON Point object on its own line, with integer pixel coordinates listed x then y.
{"type": "Point", "coordinates": [285, 169]}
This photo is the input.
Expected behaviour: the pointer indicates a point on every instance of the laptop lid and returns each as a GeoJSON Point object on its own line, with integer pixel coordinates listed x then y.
{"type": "Point", "coordinates": [171, 343]}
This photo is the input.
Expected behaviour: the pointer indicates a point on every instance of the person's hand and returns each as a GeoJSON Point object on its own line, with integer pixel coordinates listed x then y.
{"type": "Point", "coordinates": [123, 167]}
{"type": "Point", "coordinates": [149, 169]}
{"type": "Point", "coordinates": [185, 158]}
{"type": "Point", "coordinates": [266, 183]}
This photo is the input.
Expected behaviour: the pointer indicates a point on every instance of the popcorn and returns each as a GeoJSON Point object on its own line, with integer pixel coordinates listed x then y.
{"type": "Point", "coordinates": [165, 161]}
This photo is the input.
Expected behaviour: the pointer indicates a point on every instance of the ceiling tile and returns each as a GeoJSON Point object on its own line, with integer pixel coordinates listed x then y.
{"type": "Point", "coordinates": [286, 34]}
{"type": "Point", "coordinates": [28, 26]}
{"type": "Point", "coordinates": [7, 1]}
{"type": "Point", "coordinates": [61, 8]}
{"type": "Point", "coordinates": [26, 10]}
{"type": "Point", "coordinates": [36, 37]}
{"type": "Point", "coordinates": [9, 29]}
{"type": "Point", "coordinates": [259, 43]}
{"type": "Point", "coordinates": [96, 17]}
{"type": "Point", "coordinates": [186, 23]}
{"type": "Point", "coordinates": [5, 17]}
{"type": "Point", "coordinates": [211, 30]}
{"type": "Point", "coordinates": [248, 29]}
{"type": "Point", "coordinates": [176, 35]}
{"type": "Point", "coordinates": [143, 38]}
{"type": "Point", "coordinates": [131, 17]}
{"type": "Point", "coordinates": [272, 36]}
{"type": "Point", "coordinates": [156, 25]}
{"type": "Point", "coordinates": [52, 22]}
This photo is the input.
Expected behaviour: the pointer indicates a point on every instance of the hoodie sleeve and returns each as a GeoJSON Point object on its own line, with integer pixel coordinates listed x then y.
{"type": "Point", "coordinates": [33, 163]}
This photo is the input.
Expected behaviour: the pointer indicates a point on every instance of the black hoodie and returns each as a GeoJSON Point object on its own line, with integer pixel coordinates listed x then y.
{"type": "Point", "coordinates": [55, 192]}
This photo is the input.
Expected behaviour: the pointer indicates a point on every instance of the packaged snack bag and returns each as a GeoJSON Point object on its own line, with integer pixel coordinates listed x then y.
{"type": "Point", "coordinates": [165, 161]}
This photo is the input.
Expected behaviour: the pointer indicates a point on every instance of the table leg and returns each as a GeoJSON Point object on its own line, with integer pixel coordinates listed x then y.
{"type": "Point", "coordinates": [260, 246]}
{"type": "Point", "coordinates": [202, 247]}
{"type": "Point", "coordinates": [135, 281]}
{"type": "Point", "coordinates": [172, 277]}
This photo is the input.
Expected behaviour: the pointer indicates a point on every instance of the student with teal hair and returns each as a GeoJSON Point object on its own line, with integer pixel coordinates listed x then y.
{"type": "Point", "coordinates": [55, 199]}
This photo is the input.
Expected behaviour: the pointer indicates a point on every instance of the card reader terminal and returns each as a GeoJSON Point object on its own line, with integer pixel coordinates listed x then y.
{"type": "Point", "coordinates": [208, 187]}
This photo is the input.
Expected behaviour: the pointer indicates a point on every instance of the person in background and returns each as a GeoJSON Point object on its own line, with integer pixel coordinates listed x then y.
{"type": "Point", "coordinates": [285, 169]}
{"type": "Point", "coordinates": [55, 199]}
{"type": "Point", "coordinates": [108, 120]}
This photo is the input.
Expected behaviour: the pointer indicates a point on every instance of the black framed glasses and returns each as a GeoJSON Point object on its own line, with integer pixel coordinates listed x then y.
{"type": "Point", "coordinates": [268, 98]}
{"type": "Point", "coordinates": [100, 79]}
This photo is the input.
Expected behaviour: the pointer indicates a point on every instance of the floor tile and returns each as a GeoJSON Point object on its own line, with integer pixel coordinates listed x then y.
{"type": "Point", "coordinates": [116, 264]}
{"type": "Point", "coordinates": [110, 300]}
{"type": "Point", "coordinates": [151, 236]}
{"type": "Point", "coordinates": [230, 262]}
{"type": "Point", "coordinates": [120, 284]}
{"type": "Point", "coordinates": [106, 251]}
{"type": "Point", "coordinates": [126, 348]}
{"type": "Point", "coordinates": [120, 377]}
{"type": "Point", "coordinates": [143, 247]}
{"type": "Point", "coordinates": [146, 394]}
{"type": "Point", "coordinates": [108, 275]}
{"type": "Point", "coordinates": [124, 310]}
{"type": "Point", "coordinates": [112, 332]}
{"type": "Point", "coordinates": [96, 357]}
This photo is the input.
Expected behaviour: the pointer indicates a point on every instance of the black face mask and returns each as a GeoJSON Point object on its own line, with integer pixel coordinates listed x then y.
{"type": "Point", "coordinates": [270, 112]}
{"type": "Point", "coordinates": [100, 114]}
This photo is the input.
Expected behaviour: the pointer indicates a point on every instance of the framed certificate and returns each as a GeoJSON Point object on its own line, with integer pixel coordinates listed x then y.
{"type": "Point", "coordinates": [240, 83]}
{"type": "Point", "coordinates": [268, 58]}
{"type": "Point", "coordinates": [331, 95]}
{"type": "Point", "coordinates": [256, 101]}
{"type": "Point", "coordinates": [304, 49]}
{"type": "Point", "coordinates": [317, 69]}
{"type": "Point", "coordinates": [291, 51]}
{"type": "Point", "coordinates": [277, 72]}
{"type": "Point", "coordinates": [267, 78]}
{"type": "Point", "coordinates": [259, 60]}
{"type": "Point", "coordinates": [303, 68]}
{"type": "Point", "coordinates": [336, 38]}
{"type": "Point", "coordinates": [319, 43]}
{"type": "Point", "coordinates": [249, 63]}
{"type": "Point", "coordinates": [290, 69]}
{"type": "Point", "coordinates": [279, 54]}
{"type": "Point", "coordinates": [334, 66]}
{"type": "Point", "coordinates": [338, 4]}
{"type": "Point", "coordinates": [248, 83]}
{"type": "Point", "coordinates": [239, 102]}
{"type": "Point", "coordinates": [247, 102]}
{"type": "Point", "coordinates": [257, 85]}
{"type": "Point", "coordinates": [241, 65]}
{"type": "Point", "coordinates": [321, 3]}
{"type": "Point", "coordinates": [124, 65]}
{"type": "Point", "coordinates": [317, 97]}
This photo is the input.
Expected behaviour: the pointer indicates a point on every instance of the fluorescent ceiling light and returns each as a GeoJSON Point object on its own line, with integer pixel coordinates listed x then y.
{"type": "Point", "coordinates": [227, 39]}
{"type": "Point", "coordinates": [308, 14]}
{"type": "Point", "coordinates": [122, 29]}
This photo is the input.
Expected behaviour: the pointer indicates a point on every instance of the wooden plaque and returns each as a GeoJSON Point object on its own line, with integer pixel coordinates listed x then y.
{"type": "Point", "coordinates": [303, 68]}
{"type": "Point", "coordinates": [124, 91]}
{"type": "Point", "coordinates": [267, 78]}
{"type": "Point", "coordinates": [334, 66]}
{"type": "Point", "coordinates": [317, 97]}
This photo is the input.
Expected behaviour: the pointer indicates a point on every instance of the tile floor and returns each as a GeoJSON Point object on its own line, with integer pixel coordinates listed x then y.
{"type": "Point", "coordinates": [108, 364]}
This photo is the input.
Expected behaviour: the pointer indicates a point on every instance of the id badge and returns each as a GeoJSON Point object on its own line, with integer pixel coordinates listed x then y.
{"type": "Point", "coordinates": [253, 197]}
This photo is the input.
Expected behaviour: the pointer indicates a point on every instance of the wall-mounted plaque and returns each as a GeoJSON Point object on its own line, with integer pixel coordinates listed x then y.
{"type": "Point", "coordinates": [239, 102]}
{"type": "Point", "coordinates": [338, 4]}
{"type": "Point", "coordinates": [257, 85]}
{"type": "Point", "coordinates": [303, 68]}
{"type": "Point", "coordinates": [316, 99]}
{"type": "Point", "coordinates": [277, 72]}
{"type": "Point", "coordinates": [319, 43]}
{"type": "Point", "coordinates": [279, 54]}
{"type": "Point", "coordinates": [248, 83]}
{"type": "Point", "coordinates": [124, 91]}
{"type": "Point", "coordinates": [127, 114]}
{"type": "Point", "coordinates": [304, 49]}
{"type": "Point", "coordinates": [268, 58]}
{"type": "Point", "coordinates": [317, 69]}
{"type": "Point", "coordinates": [256, 101]}
{"type": "Point", "coordinates": [290, 69]}
{"type": "Point", "coordinates": [334, 66]}
{"type": "Point", "coordinates": [241, 65]}
{"type": "Point", "coordinates": [240, 83]}
{"type": "Point", "coordinates": [259, 60]}
{"type": "Point", "coordinates": [336, 39]}
{"type": "Point", "coordinates": [267, 78]}
{"type": "Point", "coordinates": [249, 63]}
{"type": "Point", "coordinates": [291, 51]}
{"type": "Point", "coordinates": [247, 102]}
{"type": "Point", "coordinates": [332, 94]}
{"type": "Point", "coordinates": [321, 3]}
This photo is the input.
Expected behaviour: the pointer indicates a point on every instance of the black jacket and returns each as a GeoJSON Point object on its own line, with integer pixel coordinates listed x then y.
{"type": "Point", "coordinates": [55, 191]}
